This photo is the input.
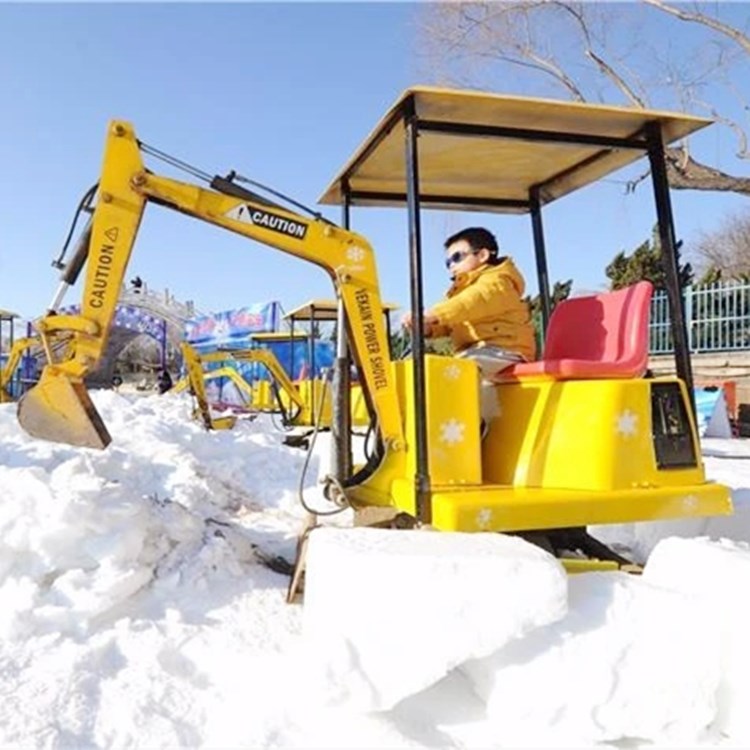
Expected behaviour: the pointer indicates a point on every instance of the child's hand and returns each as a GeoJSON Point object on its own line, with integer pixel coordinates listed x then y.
{"type": "Point", "coordinates": [429, 320]}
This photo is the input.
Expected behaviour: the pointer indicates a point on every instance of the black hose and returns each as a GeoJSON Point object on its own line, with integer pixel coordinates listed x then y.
{"type": "Point", "coordinates": [83, 205]}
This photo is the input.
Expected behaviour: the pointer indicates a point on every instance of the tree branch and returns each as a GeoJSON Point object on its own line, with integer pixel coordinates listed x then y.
{"type": "Point", "coordinates": [713, 23]}
{"type": "Point", "coordinates": [567, 41]}
{"type": "Point", "coordinates": [616, 79]}
{"type": "Point", "coordinates": [685, 173]}
{"type": "Point", "coordinates": [742, 150]}
{"type": "Point", "coordinates": [604, 68]}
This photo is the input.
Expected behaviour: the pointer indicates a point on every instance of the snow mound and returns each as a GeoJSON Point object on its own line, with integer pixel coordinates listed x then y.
{"type": "Point", "coordinates": [451, 597]}
{"type": "Point", "coordinates": [581, 680]}
{"type": "Point", "coordinates": [713, 572]}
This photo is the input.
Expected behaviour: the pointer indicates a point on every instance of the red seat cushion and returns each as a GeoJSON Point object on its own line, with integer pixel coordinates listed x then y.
{"type": "Point", "coordinates": [599, 336]}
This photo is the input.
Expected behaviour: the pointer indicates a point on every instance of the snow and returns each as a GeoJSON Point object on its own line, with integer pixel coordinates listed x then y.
{"type": "Point", "coordinates": [139, 608]}
{"type": "Point", "coordinates": [502, 585]}
{"type": "Point", "coordinates": [614, 667]}
{"type": "Point", "coordinates": [714, 573]}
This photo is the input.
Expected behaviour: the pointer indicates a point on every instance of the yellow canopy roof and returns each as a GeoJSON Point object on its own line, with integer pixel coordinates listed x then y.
{"type": "Point", "coordinates": [324, 310]}
{"type": "Point", "coordinates": [508, 149]}
{"type": "Point", "coordinates": [278, 336]}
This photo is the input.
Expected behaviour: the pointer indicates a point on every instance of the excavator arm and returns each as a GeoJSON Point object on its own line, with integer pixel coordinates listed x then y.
{"type": "Point", "coordinates": [269, 360]}
{"type": "Point", "coordinates": [14, 357]}
{"type": "Point", "coordinates": [59, 407]}
{"type": "Point", "coordinates": [196, 378]}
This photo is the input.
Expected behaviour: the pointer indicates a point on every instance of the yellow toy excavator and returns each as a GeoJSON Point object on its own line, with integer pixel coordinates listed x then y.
{"type": "Point", "coordinates": [196, 377]}
{"type": "Point", "coordinates": [317, 390]}
{"type": "Point", "coordinates": [195, 380]}
{"type": "Point", "coordinates": [14, 357]}
{"type": "Point", "coordinates": [32, 344]}
{"type": "Point", "coordinates": [306, 402]}
{"type": "Point", "coordinates": [573, 444]}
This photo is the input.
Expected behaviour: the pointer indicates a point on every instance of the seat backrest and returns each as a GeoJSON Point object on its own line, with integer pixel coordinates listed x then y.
{"type": "Point", "coordinates": [611, 327]}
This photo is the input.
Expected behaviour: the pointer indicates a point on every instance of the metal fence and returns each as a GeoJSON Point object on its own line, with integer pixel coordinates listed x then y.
{"type": "Point", "coordinates": [717, 317]}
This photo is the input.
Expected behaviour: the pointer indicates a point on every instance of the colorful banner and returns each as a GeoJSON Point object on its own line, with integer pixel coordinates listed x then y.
{"type": "Point", "coordinates": [298, 360]}
{"type": "Point", "coordinates": [232, 327]}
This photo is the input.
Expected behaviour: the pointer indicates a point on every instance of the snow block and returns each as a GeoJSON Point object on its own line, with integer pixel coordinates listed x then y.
{"type": "Point", "coordinates": [456, 596]}
{"type": "Point", "coordinates": [717, 574]}
{"type": "Point", "coordinates": [629, 661]}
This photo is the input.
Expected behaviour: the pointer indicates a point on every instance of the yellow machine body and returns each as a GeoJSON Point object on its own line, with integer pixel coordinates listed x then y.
{"type": "Point", "coordinates": [263, 397]}
{"type": "Point", "coordinates": [360, 413]}
{"type": "Point", "coordinates": [558, 454]}
{"type": "Point", "coordinates": [317, 399]}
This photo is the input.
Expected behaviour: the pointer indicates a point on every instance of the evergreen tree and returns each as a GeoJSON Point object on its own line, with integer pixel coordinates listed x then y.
{"type": "Point", "coordinates": [401, 344]}
{"type": "Point", "coordinates": [713, 275]}
{"type": "Point", "coordinates": [645, 263]}
{"type": "Point", "coordinates": [560, 291]}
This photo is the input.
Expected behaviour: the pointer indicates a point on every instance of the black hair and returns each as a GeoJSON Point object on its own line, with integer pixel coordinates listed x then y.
{"type": "Point", "coordinates": [478, 238]}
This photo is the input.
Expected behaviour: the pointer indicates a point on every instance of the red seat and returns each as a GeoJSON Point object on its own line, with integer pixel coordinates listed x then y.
{"type": "Point", "coordinates": [601, 336]}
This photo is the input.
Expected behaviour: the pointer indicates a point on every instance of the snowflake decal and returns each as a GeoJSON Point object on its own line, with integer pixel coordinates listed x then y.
{"type": "Point", "coordinates": [355, 254]}
{"type": "Point", "coordinates": [690, 503]}
{"type": "Point", "coordinates": [484, 517]}
{"type": "Point", "coordinates": [452, 432]}
{"type": "Point", "coordinates": [452, 372]}
{"type": "Point", "coordinates": [627, 424]}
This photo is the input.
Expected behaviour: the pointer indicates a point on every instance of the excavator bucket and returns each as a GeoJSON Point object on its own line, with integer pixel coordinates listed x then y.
{"type": "Point", "coordinates": [61, 410]}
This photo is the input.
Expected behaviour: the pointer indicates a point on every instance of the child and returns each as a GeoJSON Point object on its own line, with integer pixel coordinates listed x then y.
{"type": "Point", "coordinates": [483, 311]}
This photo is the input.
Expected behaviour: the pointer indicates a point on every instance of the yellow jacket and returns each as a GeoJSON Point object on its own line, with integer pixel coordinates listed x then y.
{"type": "Point", "coordinates": [485, 305]}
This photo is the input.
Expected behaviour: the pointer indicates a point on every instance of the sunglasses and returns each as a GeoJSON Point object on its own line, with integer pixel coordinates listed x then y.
{"type": "Point", "coordinates": [457, 257]}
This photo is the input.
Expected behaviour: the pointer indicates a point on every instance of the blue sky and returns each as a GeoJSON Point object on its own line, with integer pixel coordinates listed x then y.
{"type": "Point", "coordinates": [283, 93]}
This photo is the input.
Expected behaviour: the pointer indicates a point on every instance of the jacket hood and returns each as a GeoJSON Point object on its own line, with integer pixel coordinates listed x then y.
{"type": "Point", "coordinates": [506, 267]}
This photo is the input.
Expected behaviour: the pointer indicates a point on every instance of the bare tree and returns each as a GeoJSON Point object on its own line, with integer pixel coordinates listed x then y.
{"type": "Point", "coordinates": [600, 52]}
{"type": "Point", "coordinates": [725, 253]}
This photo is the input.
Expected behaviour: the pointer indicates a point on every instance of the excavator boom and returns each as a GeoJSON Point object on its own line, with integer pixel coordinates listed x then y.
{"type": "Point", "coordinates": [59, 408]}
{"type": "Point", "coordinates": [271, 363]}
